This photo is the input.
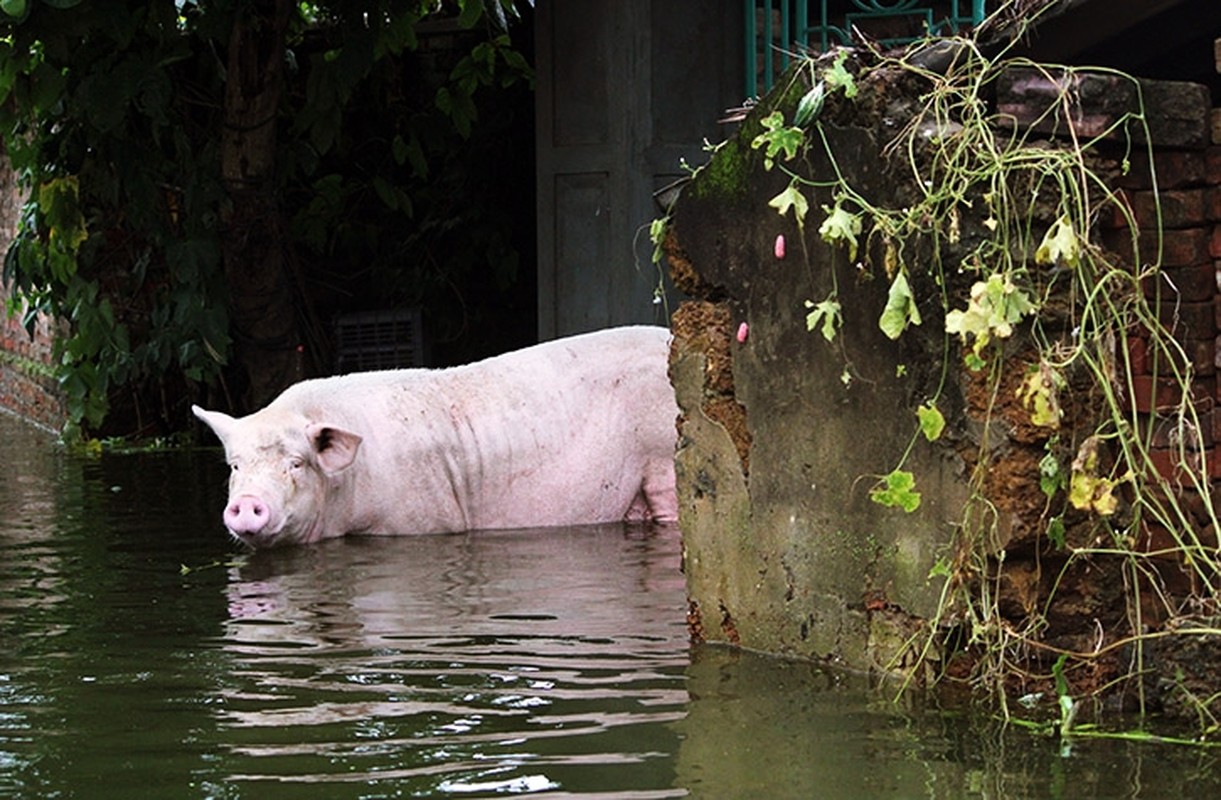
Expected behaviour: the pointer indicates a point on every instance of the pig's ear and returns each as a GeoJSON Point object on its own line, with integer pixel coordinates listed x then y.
{"type": "Point", "coordinates": [219, 422]}
{"type": "Point", "coordinates": [335, 447]}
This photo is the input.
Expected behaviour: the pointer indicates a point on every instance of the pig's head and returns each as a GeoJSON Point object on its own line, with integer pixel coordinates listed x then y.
{"type": "Point", "coordinates": [284, 471]}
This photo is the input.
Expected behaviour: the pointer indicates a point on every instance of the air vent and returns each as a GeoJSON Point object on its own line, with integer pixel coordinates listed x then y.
{"type": "Point", "coordinates": [371, 340]}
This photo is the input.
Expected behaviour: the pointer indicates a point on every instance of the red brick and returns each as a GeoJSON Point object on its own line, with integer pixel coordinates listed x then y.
{"type": "Point", "coordinates": [1184, 247]}
{"type": "Point", "coordinates": [1202, 353]}
{"type": "Point", "coordinates": [1122, 212]}
{"type": "Point", "coordinates": [1166, 432]}
{"type": "Point", "coordinates": [1138, 355]}
{"type": "Point", "coordinates": [1212, 165]}
{"type": "Point", "coordinates": [1180, 208]}
{"type": "Point", "coordinates": [1212, 203]}
{"type": "Point", "coordinates": [1155, 538]}
{"type": "Point", "coordinates": [1169, 394]}
{"type": "Point", "coordinates": [1214, 242]}
{"type": "Point", "coordinates": [1180, 468]}
{"type": "Point", "coordinates": [1165, 463]}
{"type": "Point", "coordinates": [1175, 169]}
{"type": "Point", "coordinates": [1117, 240]}
{"type": "Point", "coordinates": [1189, 320]}
{"type": "Point", "coordinates": [1180, 248]}
{"type": "Point", "coordinates": [1192, 284]}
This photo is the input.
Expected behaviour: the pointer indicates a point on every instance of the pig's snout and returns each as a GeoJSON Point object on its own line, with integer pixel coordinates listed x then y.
{"type": "Point", "coordinates": [247, 514]}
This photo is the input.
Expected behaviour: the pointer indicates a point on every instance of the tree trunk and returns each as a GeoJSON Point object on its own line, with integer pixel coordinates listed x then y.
{"type": "Point", "coordinates": [263, 315]}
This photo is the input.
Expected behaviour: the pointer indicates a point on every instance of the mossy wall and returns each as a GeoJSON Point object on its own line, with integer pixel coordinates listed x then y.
{"type": "Point", "coordinates": [784, 434]}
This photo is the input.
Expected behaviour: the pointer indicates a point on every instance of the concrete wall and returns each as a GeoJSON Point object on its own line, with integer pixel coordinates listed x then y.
{"type": "Point", "coordinates": [785, 551]}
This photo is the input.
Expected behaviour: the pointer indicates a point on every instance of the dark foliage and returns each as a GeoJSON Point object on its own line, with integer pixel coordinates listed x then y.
{"type": "Point", "coordinates": [395, 129]}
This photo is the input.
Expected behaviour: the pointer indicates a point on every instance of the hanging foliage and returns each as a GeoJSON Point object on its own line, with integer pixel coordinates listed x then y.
{"type": "Point", "coordinates": [119, 120]}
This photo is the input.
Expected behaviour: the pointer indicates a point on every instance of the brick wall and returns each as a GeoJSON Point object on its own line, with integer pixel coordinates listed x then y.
{"type": "Point", "coordinates": [27, 387]}
{"type": "Point", "coordinates": [1185, 293]}
{"type": "Point", "coordinates": [1175, 170]}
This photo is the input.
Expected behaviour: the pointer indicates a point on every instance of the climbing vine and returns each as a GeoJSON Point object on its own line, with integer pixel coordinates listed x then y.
{"type": "Point", "coordinates": [994, 231]}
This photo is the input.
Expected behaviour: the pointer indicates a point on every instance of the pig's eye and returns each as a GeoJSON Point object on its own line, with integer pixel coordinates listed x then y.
{"type": "Point", "coordinates": [233, 467]}
{"type": "Point", "coordinates": [295, 463]}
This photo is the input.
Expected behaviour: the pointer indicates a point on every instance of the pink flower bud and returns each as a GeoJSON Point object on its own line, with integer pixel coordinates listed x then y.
{"type": "Point", "coordinates": [743, 331]}
{"type": "Point", "coordinates": [780, 245]}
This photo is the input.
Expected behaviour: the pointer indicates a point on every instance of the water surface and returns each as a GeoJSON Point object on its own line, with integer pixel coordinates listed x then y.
{"type": "Point", "coordinates": [551, 662]}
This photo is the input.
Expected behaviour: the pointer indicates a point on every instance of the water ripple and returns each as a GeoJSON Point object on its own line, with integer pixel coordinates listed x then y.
{"type": "Point", "coordinates": [457, 665]}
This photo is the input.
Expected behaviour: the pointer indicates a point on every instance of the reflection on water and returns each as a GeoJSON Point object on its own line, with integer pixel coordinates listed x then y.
{"type": "Point", "coordinates": [501, 661]}
{"type": "Point", "coordinates": [551, 661]}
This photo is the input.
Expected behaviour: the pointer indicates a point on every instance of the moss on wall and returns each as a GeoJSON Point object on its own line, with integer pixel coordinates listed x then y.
{"type": "Point", "coordinates": [785, 434]}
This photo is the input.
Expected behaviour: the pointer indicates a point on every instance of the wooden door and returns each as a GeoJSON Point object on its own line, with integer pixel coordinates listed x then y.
{"type": "Point", "coordinates": [626, 89]}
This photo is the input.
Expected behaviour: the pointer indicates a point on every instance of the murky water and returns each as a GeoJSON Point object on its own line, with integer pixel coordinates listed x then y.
{"type": "Point", "coordinates": [552, 661]}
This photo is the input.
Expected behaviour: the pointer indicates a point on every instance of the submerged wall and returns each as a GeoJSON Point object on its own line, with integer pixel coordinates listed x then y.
{"type": "Point", "coordinates": [785, 551]}
{"type": "Point", "coordinates": [784, 434]}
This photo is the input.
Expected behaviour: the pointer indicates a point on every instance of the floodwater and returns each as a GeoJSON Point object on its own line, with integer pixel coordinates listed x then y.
{"type": "Point", "coordinates": [553, 662]}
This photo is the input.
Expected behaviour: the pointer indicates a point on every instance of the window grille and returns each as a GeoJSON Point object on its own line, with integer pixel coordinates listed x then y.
{"type": "Point", "coordinates": [777, 29]}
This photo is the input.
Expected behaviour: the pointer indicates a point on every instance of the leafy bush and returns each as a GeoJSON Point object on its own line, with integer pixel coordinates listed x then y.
{"type": "Point", "coordinates": [113, 116]}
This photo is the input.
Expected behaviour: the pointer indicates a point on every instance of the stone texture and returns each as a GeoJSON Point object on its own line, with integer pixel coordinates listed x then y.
{"type": "Point", "coordinates": [792, 556]}
{"type": "Point", "coordinates": [1088, 105]}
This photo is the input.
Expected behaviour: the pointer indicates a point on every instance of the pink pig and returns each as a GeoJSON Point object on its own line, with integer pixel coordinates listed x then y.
{"type": "Point", "coordinates": [572, 431]}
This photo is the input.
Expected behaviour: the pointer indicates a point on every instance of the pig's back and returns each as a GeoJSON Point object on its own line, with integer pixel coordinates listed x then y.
{"type": "Point", "coordinates": [558, 433]}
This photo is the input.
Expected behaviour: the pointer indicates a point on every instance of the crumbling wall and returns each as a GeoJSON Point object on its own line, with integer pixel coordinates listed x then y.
{"type": "Point", "coordinates": [783, 434]}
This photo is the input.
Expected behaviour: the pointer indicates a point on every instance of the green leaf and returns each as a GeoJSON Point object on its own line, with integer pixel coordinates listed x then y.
{"type": "Point", "coordinates": [932, 423]}
{"type": "Point", "coordinates": [824, 315]}
{"type": "Point", "coordinates": [657, 235]}
{"type": "Point", "coordinates": [59, 202]}
{"type": "Point", "coordinates": [900, 308]}
{"type": "Point", "coordinates": [897, 490]}
{"type": "Point", "coordinates": [995, 306]}
{"type": "Point", "coordinates": [794, 199]}
{"type": "Point", "coordinates": [398, 148]}
{"type": "Point", "coordinates": [837, 77]}
{"type": "Point", "coordinates": [416, 157]}
{"type": "Point", "coordinates": [396, 35]}
{"type": "Point", "coordinates": [1051, 475]}
{"type": "Point", "coordinates": [385, 192]}
{"type": "Point", "coordinates": [841, 227]}
{"type": "Point", "coordinates": [777, 138]}
{"type": "Point", "coordinates": [14, 8]}
{"type": "Point", "coordinates": [1056, 532]}
{"type": "Point", "coordinates": [1068, 707]}
{"type": "Point", "coordinates": [942, 569]}
{"type": "Point", "coordinates": [471, 11]}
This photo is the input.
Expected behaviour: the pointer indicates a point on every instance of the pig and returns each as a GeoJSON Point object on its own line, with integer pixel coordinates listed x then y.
{"type": "Point", "coordinates": [572, 431]}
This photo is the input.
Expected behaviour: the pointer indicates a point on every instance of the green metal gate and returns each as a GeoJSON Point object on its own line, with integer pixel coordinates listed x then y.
{"type": "Point", "coordinates": [776, 28]}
